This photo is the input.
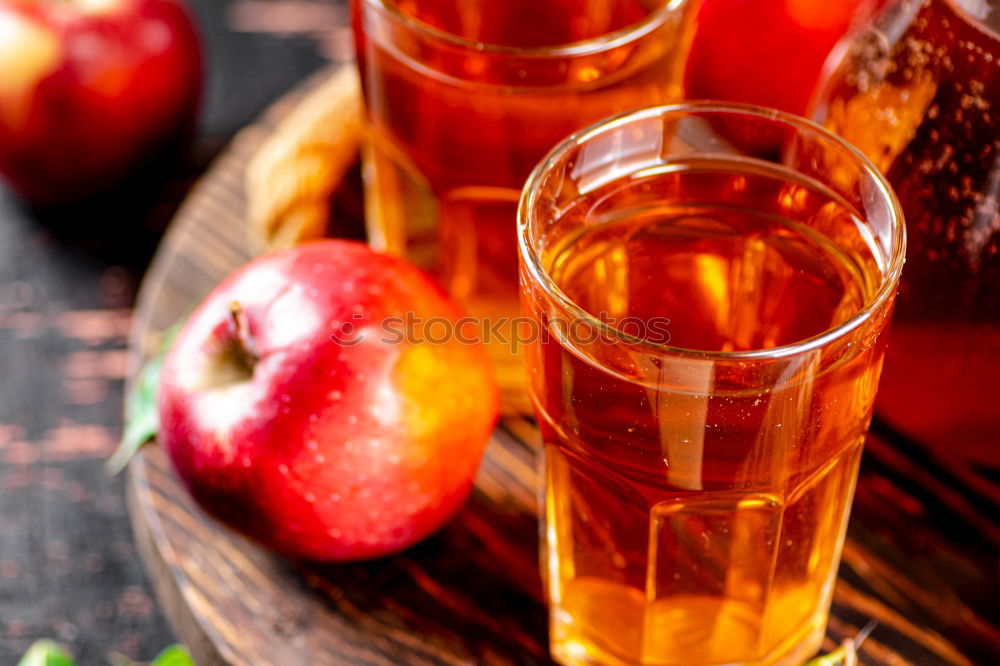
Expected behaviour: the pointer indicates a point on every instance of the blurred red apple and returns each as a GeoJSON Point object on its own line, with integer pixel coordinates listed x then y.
{"type": "Point", "coordinates": [767, 52]}
{"type": "Point", "coordinates": [294, 415]}
{"type": "Point", "coordinates": [90, 90]}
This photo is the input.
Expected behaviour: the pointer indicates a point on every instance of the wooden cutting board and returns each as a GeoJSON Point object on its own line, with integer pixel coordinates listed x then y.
{"type": "Point", "coordinates": [471, 594]}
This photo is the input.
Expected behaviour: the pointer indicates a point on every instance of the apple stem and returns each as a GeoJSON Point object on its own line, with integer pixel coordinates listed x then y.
{"type": "Point", "coordinates": [244, 342]}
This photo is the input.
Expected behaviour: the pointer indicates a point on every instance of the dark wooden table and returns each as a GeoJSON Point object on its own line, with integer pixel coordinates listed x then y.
{"type": "Point", "coordinates": [68, 567]}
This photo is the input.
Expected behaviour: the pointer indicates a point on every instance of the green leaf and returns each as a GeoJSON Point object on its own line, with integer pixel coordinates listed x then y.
{"type": "Point", "coordinates": [835, 658]}
{"type": "Point", "coordinates": [175, 655]}
{"type": "Point", "coordinates": [46, 653]}
{"type": "Point", "coordinates": [141, 416]}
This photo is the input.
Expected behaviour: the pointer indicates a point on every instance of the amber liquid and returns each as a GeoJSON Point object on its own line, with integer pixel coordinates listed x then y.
{"type": "Point", "coordinates": [455, 132]}
{"type": "Point", "coordinates": [702, 524]}
{"type": "Point", "coordinates": [926, 109]}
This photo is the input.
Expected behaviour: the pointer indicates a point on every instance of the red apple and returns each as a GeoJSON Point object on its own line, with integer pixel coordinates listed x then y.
{"type": "Point", "coordinates": [293, 412]}
{"type": "Point", "coordinates": [767, 52]}
{"type": "Point", "coordinates": [92, 89]}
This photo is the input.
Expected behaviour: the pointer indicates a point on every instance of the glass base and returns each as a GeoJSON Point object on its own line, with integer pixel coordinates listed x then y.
{"type": "Point", "coordinates": [513, 379]}
{"type": "Point", "coordinates": [681, 640]}
{"type": "Point", "coordinates": [499, 333]}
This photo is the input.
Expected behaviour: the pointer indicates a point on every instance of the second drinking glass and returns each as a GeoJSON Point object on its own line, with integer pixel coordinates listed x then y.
{"type": "Point", "coordinates": [465, 98]}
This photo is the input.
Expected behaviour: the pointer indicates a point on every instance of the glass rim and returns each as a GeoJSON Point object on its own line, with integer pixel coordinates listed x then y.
{"type": "Point", "coordinates": [593, 45]}
{"type": "Point", "coordinates": [533, 262]}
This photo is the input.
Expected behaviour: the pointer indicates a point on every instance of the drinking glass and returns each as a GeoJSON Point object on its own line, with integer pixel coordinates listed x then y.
{"type": "Point", "coordinates": [463, 101]}
{"type": "Point", "coordinates": [710, 286]}
{"type": "Point", "coordinates": [919, 93]}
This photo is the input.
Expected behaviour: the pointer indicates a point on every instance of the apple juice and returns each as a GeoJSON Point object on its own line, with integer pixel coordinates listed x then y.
{"type": "Point", "coordinates": [920, 95]}
{"type": "Point", "coordinates": [703, 523]}
{"type": "Point", "coordinates": [464, 99]}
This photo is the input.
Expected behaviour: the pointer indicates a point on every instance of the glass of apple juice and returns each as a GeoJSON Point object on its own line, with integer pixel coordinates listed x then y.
{"type": "Point", "coordinates": [464, 98]}
{"type": "Point", "coordinates": [711, 285]}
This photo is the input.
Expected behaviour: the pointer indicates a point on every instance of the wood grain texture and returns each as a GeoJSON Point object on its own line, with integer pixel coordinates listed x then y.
{"type": "Point", "coordinates": [921, 554]}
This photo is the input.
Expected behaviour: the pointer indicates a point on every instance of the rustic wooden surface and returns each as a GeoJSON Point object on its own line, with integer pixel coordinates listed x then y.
{"type": "Point", "coordinates": [921, 556]}
{"type": "Point", "coordinates": [68, 568]}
